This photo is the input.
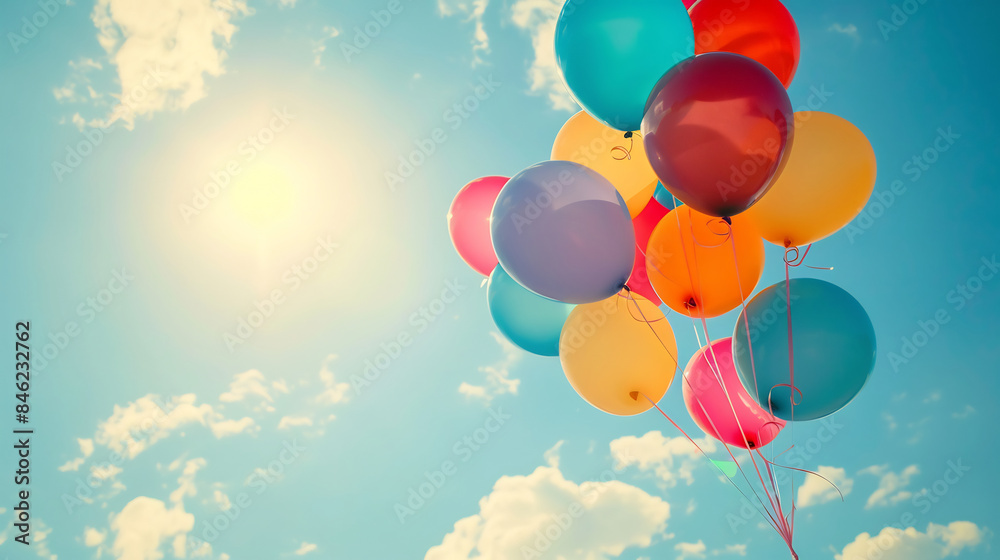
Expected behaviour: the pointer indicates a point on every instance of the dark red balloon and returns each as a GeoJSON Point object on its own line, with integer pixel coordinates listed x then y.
{"type": "Point", "coordinates": [760, 29]}
{"type": "Point", "coordinates": [644, 223]}
{"type": "Point", "coordinates": [717, 129]}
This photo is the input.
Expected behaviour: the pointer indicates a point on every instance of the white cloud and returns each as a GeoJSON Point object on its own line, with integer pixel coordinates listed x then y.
{"type": "Point", "coordinates": [538, 18]}
{"type": "Point", "coordinates": [306, 548]}
{"type": "Point", "coordinates": [522, 515]}
{"type": "Point", "coordinates": [244, 384]}
{"type": "Point", "coordinates": [225, 428]}
{"type": "Point", "coordinates": [969, 410]}
{"type": "Point", "coordinates": [690, 550]}
{"type": "Point", "coordinates": [144, 525]}
{"type": "Point", "coordinates": [288, 422]}
{"type": "Point", "coordinates": [286, 3]}
{"type": "Point", "coordinates": [319, 47]}
{"type": "Point", "coordinates": [145, 418]}
{"type": "Point", "coordinates": [472, 10]}
{"type": "Point", "coordinates": [816, 491]}
{"type": "Point", "coordinates": [185, 483]}
{"type": "Point", "coordinates": [736, 549]}
{"type": "Point", "coordinates": [891, 486]}
{"type": "Point", "coordinates": [850, 30]}
{"type": "Point", "coordinates": [222, 500]}
{"type": "Point", "coordinates": [162, 51]}
{"type": "Point", "coordinates": [936, 543]}
{"type": "Point", "coordinates": [105, 472]}
{"type": "Point", "coordinates": [333, 392]}
{"type": "Point", "coordinates": [498, 380]}
{"type": "Point", "coordinates": [92, 537]}
{"type": "Point", "coordinates": [667, 458]}
{"type": "Point", "coordinates": [72, 465]}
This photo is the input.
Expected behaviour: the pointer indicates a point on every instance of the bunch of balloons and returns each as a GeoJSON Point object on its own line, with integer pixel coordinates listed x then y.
{"type": "Point", "coordinates": [661, 193]}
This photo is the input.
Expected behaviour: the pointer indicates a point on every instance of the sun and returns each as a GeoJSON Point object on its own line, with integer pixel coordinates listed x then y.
{"type": "Point", "coordinates": [263, 197]}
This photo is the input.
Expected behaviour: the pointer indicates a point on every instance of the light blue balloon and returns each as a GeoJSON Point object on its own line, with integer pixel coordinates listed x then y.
{"type": "Point", "coordinates": [612, 53]}
{"type": "Point", "coordinates": [525, 318]}
{"type": "Point", "coordinates": [833, 343]}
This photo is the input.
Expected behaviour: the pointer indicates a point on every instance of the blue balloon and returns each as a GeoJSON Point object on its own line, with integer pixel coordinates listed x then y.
{"type": "Point", "coordinates": [612, 53]}
{"type": "Point", "coordinates": [833, 342]}
{"type": "Point", "coordinates": [528, 320]}
{"type": "Point", "coordinates": [562, 231]}
{"type": "Point", "coordinates": [663, 196]}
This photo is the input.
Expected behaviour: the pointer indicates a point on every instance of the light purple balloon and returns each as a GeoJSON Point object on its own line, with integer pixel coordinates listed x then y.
{"type": "Point", "coordinates": [562, 231]}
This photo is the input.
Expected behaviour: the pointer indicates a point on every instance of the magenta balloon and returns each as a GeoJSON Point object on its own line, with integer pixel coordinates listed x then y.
{"type": "Point", "coordinates": [469, 223]}
{"type": "Point", "coordinates": [751, 427]}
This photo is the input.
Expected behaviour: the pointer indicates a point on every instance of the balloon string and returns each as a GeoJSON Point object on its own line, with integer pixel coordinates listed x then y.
{"type": "Point", "coordinates": [774, 499]}
{"type": "Point", "coordinates": [766, 514]}
{"type": "Point", "coordinates": [791, 364]}
{"type": "Point", "coordinates": [649, 324]}
{"type": "Point", "coordinates": [628, 152]}
{"type": "Point", "coordinates": [799, 260]}
{"type": "Point", "coordinates": [814, 473]}
{"type": "Point", "coordinates": [746, 319]}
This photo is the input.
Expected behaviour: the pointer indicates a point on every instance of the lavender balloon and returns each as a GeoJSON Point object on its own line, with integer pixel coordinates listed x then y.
{"type": "Point", "coordinates": [562, 231]}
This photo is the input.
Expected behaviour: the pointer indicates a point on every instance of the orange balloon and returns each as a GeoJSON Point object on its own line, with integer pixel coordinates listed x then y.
{"type": "Point", "coordinates": [617, 350]}
{"type": "Point", "coordinates": [826, 182]}
{"type": "Point", "coordinates": [585, 140]}
{"type": "Point", "coordinates": [691, 265]}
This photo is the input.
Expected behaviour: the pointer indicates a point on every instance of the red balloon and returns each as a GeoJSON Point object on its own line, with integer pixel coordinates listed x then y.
{"type": "Point", "coordinates": [762, 30]}
{"type": "Point", "coordinates": [689, 3]}
{"type": "Point", "coordinates": [469, 223]}
{"type": "Point", "coordinates": [717, 130]}
{"type": "Point", "coordinates": [645, 222]}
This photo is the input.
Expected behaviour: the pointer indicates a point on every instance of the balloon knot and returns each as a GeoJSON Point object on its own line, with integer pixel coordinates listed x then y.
{"type": "Point", "coordinates": [628, 134]}
{"type": "Point", "coordinates": [691, 303]}
{"type": "Point", "coordinates": [728, 220]}
{"type": "Point", "coordinates": [634, 395]}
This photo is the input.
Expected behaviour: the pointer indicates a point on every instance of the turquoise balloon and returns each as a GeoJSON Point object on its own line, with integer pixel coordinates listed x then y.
{"type": "Point", "coordinates": [833, 342]}
{"type": "Point", "coordinates": [525, 318]}
{"type": "Point", "coordinates": [612, 53]}
{"type": "Point", "coordinates": [663, 196]}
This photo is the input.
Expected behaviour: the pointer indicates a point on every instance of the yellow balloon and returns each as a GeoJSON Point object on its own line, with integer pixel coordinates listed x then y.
{"type": "Point", "coordinates": [620, 160]}
{"type": "Point", "coordinates": [617, 350]}
{"type": "Point", "coordinates": [826, 182]}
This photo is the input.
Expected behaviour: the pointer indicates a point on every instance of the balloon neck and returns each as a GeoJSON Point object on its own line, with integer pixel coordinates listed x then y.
{"type": "Point", "coordinates": [728, 220]}
{"type": "Point", "coordinates": [691, 303]}
{"type": "Point", "coordinates": [628, 134]}
{"type": "Point", "coordinates": [634, 395]}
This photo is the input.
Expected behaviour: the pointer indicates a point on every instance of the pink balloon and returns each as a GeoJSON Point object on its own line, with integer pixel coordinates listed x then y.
{"type": "Point", "coordinates": [751, 427]}
{"type": "Point", "coordinates": [469, 223]}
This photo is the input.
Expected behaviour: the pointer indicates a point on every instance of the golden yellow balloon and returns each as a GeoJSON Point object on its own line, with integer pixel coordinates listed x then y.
{"type": "Point", "coordinates": [617, 350]}
{"type": "Point", "coordinates": [826, 182]}
{"type": "Point", "coordinates": [620, 160]}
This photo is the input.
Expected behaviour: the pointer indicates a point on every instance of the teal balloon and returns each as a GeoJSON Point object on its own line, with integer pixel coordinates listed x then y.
{"type": "Point", "coordinates": [833, 343]}
{"type": "Point", "coordinates": [663, 196]}
{"type": "Point", "coordinates": [529, 320]}
{"type": "Point", "coordinates": [612, 53]}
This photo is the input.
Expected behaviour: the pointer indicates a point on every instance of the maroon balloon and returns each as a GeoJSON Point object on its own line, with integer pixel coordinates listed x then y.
{"type": "Point", "coordinates": [717, 130]}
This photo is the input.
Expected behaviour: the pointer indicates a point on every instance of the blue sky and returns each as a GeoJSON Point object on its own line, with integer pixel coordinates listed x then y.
{"type": "Point", "coordinates": [241, 175]}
